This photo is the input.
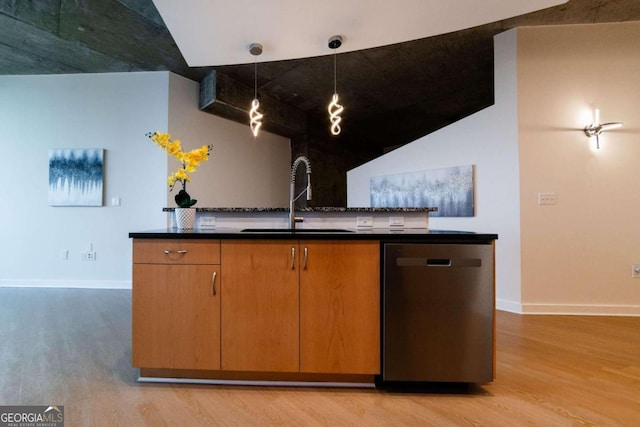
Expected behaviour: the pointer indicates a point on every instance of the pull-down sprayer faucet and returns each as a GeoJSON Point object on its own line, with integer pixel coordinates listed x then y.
{"type": "Point", "coordinates": [292, 199]}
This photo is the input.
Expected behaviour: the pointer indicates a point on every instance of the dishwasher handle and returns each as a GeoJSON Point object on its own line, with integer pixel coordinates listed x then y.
{"type": "Point", "coordinates": [438, 262]}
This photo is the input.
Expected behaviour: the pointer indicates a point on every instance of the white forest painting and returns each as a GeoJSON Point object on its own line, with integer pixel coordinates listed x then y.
{"type": "Point", "coordinates": [76, 177]}
{"type": "Point", "coordinates": [448, 189]}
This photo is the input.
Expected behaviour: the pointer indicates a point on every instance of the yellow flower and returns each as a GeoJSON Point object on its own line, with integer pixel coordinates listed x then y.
{"type": "Point", "coordinates": [186, 157]}
{"type": "Point", "coordinates": [181, 175]}
{"type": "Point", "coordinates": [190, 161]}
{"type": "Point", "coordinates": [161, 138]}
{"type": "Point", "coordinates": [173, 148]}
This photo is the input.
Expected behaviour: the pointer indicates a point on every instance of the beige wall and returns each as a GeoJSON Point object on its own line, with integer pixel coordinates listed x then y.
{"type": "Point", "coordinates": [577, 254]}
{"type": "Point", "coordinates": [242, 171]}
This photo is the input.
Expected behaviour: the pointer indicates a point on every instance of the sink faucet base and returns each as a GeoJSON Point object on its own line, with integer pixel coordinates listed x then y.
{"type": "Point", "coordinates": [292, 198]}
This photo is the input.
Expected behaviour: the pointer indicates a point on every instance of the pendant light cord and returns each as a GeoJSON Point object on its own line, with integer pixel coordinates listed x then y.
{"type": "Point", "coordinates": [335, 73]}
{"type": "Point", "coordinates": [255, 73]}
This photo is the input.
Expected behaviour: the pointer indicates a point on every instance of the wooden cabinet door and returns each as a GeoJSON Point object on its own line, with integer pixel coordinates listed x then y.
{"type": "Point", "coordinates": [340, 307]}
{"type": "Point", "coordinates": [176, 316]}
{"type": "Point", "coordinates": [260, 321]}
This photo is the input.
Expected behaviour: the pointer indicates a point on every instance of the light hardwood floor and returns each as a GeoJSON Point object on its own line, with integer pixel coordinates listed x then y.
{"type": "Point", "coordinates": [72, 348]}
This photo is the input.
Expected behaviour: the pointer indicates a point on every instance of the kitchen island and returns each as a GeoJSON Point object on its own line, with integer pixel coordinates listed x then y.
{"type": "Point", "coordinates": [259, 304]}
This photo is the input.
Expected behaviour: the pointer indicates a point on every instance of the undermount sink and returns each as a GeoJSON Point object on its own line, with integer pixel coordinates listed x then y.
{"type": "Point", "coordinates": [295, 230]}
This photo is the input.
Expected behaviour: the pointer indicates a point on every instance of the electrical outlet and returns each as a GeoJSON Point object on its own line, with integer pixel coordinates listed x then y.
{"type": "Point", "coordinates": [396, 221]}
{"type": "Point", "coordinates": [635, 271]}
{"type": "Point", "coordinates": [65, 255]}
{"type": "Point", "coordinates": [89, 256]}
{"type": "Point", "coordinates": [547, 198]}
{"type": "Point", "coordinates": [364, 222]}
{"type": "Point", "coordinates": [207, 222]}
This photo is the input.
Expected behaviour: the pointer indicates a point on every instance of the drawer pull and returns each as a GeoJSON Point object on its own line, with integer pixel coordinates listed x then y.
{"type": "Point", "coordinates": [181, 252]}
{"type": "Point", "coordinates": [293, 257]}
{"type": "Point", "coordinates": [306, 257]}
{"type": "Point", "coordinates": [213, 282]}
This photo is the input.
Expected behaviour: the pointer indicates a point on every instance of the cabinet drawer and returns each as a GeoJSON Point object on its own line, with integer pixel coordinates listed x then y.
{"type": "Point", "coordinates": [176, 251]}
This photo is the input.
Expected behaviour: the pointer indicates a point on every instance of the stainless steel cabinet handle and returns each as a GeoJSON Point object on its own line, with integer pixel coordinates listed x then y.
{"type": "Point", "coordinates": [293, 257]}
{"type": "Point", "coordinates": [181, 252]}
{"type": "Point", "coordinates": [306, 257]}
{"type": "Point", "coordinates": [213, 282]}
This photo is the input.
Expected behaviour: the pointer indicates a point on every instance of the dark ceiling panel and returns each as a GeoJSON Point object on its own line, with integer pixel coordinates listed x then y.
{"type": "Point", "coordinates": [40, 14]}
{"type": "Point", "coordinates": [42, 52]}
{"type": "Point", "coordinates": [114, 30]}
{"type": "Point", "coordinates": [392, 94]}
{"type": "Point", "coordinates": [144, 8]}
{"type": "Point", "coordinates": [16, 61]}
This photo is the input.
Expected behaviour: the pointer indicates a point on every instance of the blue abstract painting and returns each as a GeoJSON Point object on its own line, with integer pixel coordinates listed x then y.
{"type": "Point", "coordinates": [448, 189]}
{"type": "Point", "coordinates": [76, 177]}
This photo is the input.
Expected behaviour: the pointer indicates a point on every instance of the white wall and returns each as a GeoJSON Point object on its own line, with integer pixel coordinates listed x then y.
{"type": "Point", "coordinates": [110, 111]}
{"type": "Point", "coordinates": [114, 111]}
{"type": "Point", "coordinates": [488, 140]}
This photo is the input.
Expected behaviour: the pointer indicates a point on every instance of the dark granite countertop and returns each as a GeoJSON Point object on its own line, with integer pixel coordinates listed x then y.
{"type": "Point", "coordinates": [401, 235]}
{"type": "Point", "coordinates": [312, 209]}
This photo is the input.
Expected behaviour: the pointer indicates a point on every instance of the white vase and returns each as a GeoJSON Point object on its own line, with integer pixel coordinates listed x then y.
{"type": "Point", "coordinates": [185, 218]}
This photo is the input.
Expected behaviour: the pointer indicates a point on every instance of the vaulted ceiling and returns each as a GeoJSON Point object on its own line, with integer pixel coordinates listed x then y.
{"type": "Point", "coordinates": [392, 94]}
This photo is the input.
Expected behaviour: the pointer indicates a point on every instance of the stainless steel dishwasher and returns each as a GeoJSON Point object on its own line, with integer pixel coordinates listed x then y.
{"type": "Point", "coordinates": [438, 313]}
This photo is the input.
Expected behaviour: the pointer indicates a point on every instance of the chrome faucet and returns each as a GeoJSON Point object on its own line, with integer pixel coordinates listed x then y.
{"type": "Point", "coordinates": [292, 216]}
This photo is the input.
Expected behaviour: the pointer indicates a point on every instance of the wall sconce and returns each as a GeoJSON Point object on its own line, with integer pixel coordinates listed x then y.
{"type": "Point", "coordinates": [255, 116]}
{"type": "Point", "coordinates": [595, 129]}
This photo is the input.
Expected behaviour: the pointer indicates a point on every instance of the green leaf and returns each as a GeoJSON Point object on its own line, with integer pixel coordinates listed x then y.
{"type": "Point", "coordinates": [183, 199]}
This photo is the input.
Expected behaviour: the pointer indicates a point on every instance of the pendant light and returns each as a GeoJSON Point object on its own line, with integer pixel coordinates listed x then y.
{"type": "Point", "coordinates": [334, 108]}
{"type": "Point", "coordinates": [255, 116]}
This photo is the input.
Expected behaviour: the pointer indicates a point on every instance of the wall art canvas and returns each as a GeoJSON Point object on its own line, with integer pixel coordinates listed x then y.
{"type": "Point", "coordinates": [76, 177]}
{"type": "Point", "coordinates": [448, 189]}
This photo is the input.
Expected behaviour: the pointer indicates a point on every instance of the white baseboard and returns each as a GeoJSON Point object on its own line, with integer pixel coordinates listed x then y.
{"type": "Point", "coordinates": [582, 309]}
{"type": "Point", "coordinates": [79, 284]}
{"type": "Point", "coordinates": [568, 309]}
